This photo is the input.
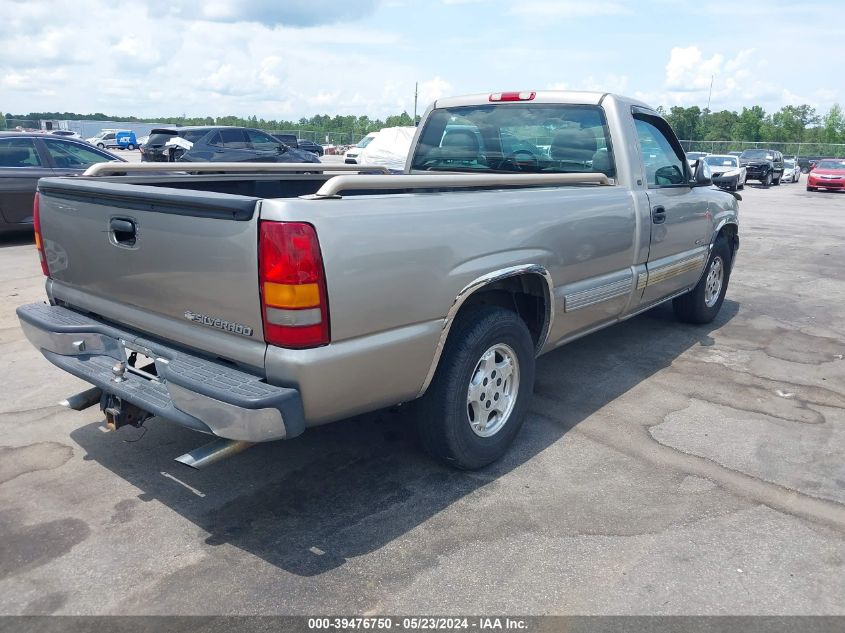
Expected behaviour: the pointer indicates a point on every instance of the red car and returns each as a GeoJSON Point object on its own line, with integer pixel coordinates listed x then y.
{"type": "Point", "coordinates": [828, 173]}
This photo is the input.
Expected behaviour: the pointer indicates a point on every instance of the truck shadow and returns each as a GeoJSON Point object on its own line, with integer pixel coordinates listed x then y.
{"type": "Point", "coordinates": [348, 489]}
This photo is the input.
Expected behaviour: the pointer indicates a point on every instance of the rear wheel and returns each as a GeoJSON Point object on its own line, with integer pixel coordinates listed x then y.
{"type": "Point", "coordinates": [477, 401]}
{"type": "Point", "coordinates": [101, 146]}
{"type": "Point", "coordinates": [702, 303]}
{"type": "Point", "coordinates": [130, 146]}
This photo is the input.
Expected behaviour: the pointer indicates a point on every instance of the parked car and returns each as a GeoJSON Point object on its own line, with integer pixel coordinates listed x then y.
{"type": "Point", "coordinates": [219, 144]}
{"type": "Point", "coordinates": [310, 146]}
{"type": "Point", "coordinates": [807, 162]}
{"type": "Point", "coordinates": [300, 143]}
{"type": "Point", "coordinates": [290, 140]}
{"type": "Point", "coordinates": [241, 307]}
{"type": "Point", "coordinates": [351, 155]}
{"type": "Point", "coordinates": [66, 134]}
{"type": "Point", "coordinates": [24, 158]}
{"type": "Point", "coordinates": [828, 173]}
{"type": "Point", "coordinates": [692, 157]}
{"type": "Point", "coordinates": [791, 171]}
{"type": "Point", "coordinates": [734, 153]}
{"type": "Point", "coordinates": [726, 171]}
{"type": "Point", "coordinates": [765, 165]}
{"type": "Point", "coordinates": [104, 139]}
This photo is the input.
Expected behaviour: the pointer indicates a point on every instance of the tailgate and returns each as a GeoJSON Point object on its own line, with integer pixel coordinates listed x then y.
{"type": "Point", "coordinates": [175, 263]}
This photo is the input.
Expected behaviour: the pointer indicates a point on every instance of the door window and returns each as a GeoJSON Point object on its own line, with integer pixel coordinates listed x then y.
{"type": "Point", "coordinates": [74, 156]}
{"type": "Point", "coordinates": [664, 161]}
{"type": "Point", "coordinates": [261, 141]}
{"type": "Point", "coordinates": [18, 152]}
{"type": "Point", "coordinates": [230, 139]}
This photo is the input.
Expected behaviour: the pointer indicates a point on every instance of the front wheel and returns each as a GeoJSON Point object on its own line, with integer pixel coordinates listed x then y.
{"type": "Point", "coordinates": [767, 179]}
{"type": "Point", "coordinates": [101, 146]}
{"type": "Point", "coordinates": [477, 402]}
{"type": "Point", "coordinates": [702, 303]}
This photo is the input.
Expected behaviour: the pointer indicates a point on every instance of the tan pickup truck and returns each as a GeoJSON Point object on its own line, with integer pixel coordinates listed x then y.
{"type": "Point", "coordinates": [254, 303]}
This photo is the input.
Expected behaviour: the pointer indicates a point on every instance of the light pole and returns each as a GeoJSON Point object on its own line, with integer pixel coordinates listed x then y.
{"type": "Point", "coordinates": [416, 93]}
{"type": "Point", "coordinates": [710, 94]}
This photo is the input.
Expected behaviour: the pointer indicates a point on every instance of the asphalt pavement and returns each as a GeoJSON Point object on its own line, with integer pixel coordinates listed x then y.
{"type": "Point", "coordinates": [664, 469]}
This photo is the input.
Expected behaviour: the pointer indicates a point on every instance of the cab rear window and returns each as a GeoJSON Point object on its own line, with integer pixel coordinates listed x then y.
{"type": "Point", "coordinates": [534, 138]}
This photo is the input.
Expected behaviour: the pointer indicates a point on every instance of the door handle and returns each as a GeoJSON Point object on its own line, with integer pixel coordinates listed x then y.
{"type": "Point", "coordinates": [123, 231]}
{"type": "Point", "coordinates": [658, 215]}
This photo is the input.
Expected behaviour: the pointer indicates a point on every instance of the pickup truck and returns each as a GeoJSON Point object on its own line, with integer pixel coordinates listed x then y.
{"type": "Point", "coordinates": [251, 301]}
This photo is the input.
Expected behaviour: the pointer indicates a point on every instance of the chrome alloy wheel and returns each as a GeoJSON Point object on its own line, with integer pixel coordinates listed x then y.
{"type": "Point", "coordinates": [493, 389]}
{"type": "Point", "coordinates": [713, 283]}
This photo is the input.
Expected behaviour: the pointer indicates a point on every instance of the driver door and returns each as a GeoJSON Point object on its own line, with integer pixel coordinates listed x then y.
{"type": "Point", "coordinates": [680, 219]}
{"type": "Point", "coordinates": [265, 148]}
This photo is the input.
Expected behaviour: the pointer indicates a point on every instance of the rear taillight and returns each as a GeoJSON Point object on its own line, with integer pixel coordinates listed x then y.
{"type": "Point", "coordinates": [293, 285]}
{"type": "Point", "coordinates": [39, 241]}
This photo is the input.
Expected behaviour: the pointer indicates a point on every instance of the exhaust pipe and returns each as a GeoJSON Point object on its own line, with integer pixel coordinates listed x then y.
{"type": "Point", "coordinates": [83, 399]}
{"type": "Point", "coordinates": [213, 452]}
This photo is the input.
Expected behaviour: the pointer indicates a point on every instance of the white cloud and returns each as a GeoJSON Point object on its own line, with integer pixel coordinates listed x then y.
{"type": "Point", "coordinates": [166, 65]}
{"type": "Point", "coordinates": [434, 89]}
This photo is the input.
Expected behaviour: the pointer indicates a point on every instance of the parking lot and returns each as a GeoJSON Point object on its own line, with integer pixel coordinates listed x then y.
{"type": "Point", "coordinates": [664, 469]}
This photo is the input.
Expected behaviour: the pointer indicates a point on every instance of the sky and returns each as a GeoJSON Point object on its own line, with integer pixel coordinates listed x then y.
{"type": "Point", "coordinates": [286, 59]}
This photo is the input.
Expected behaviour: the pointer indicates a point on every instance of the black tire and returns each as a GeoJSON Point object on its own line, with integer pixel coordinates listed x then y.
{"type": "Point", "coordinates": [101, 146]}
{"type": "Point", "coordinates": [811, 189]}
{"type": "Point", "coordinates": [130, 147]}
{"type": "Point", "coordinates": [692, 307]}
{"type": "Point", "coordinates": [443, 418]}
{"type": "Point", "coordinates": [776, 182]}
{"type": "Point", "coordinates": [767, 179]}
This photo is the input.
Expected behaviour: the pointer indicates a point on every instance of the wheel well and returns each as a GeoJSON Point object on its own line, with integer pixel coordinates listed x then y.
{"type": "Point", "coordinates": [731, 234]}
{"type": "Point", "coordinates": [526, 294]}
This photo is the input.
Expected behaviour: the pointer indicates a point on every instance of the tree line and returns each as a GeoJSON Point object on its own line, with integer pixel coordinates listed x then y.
{"type": "Point", "coordinates": [790, 124]}
{"type": "Point", "coordinates": [318, 126]}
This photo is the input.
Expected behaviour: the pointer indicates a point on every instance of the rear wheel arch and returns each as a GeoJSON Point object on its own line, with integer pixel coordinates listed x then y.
{"type": "Point", "coordinates": [526, 290]}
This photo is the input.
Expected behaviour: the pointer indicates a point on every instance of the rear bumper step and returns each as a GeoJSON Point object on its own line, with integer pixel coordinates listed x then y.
{"type": "Point", "coordinates": [190, 390]}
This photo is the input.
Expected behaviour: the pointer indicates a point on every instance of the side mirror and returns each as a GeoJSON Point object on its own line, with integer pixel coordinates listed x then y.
{"type": "Point", "coordinates": [703, 176]}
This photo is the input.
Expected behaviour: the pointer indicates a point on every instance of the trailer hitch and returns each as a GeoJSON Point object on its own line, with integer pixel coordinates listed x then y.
{"type": "Point", "coordinates": [121, 413]}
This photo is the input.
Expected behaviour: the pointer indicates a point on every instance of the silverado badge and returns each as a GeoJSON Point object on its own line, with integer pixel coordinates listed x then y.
{"type": "Point", "coordinates": [220, 324]}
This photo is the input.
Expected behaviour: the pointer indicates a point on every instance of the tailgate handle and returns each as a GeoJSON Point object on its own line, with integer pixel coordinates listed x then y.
{"type": "Point", "coordinates": [123, 231]}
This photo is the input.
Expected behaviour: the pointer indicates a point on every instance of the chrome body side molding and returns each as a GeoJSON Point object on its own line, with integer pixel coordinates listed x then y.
{"type": "Point", "coordinates": [592, 296]}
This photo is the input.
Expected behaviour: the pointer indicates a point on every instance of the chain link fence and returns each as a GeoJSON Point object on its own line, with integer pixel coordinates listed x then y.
{"type": "Point", "coordinates": [810, 150]}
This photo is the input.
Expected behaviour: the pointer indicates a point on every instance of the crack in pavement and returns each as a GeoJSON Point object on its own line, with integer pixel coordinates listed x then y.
{"type": "Point", "coordinates": [641, 445]}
